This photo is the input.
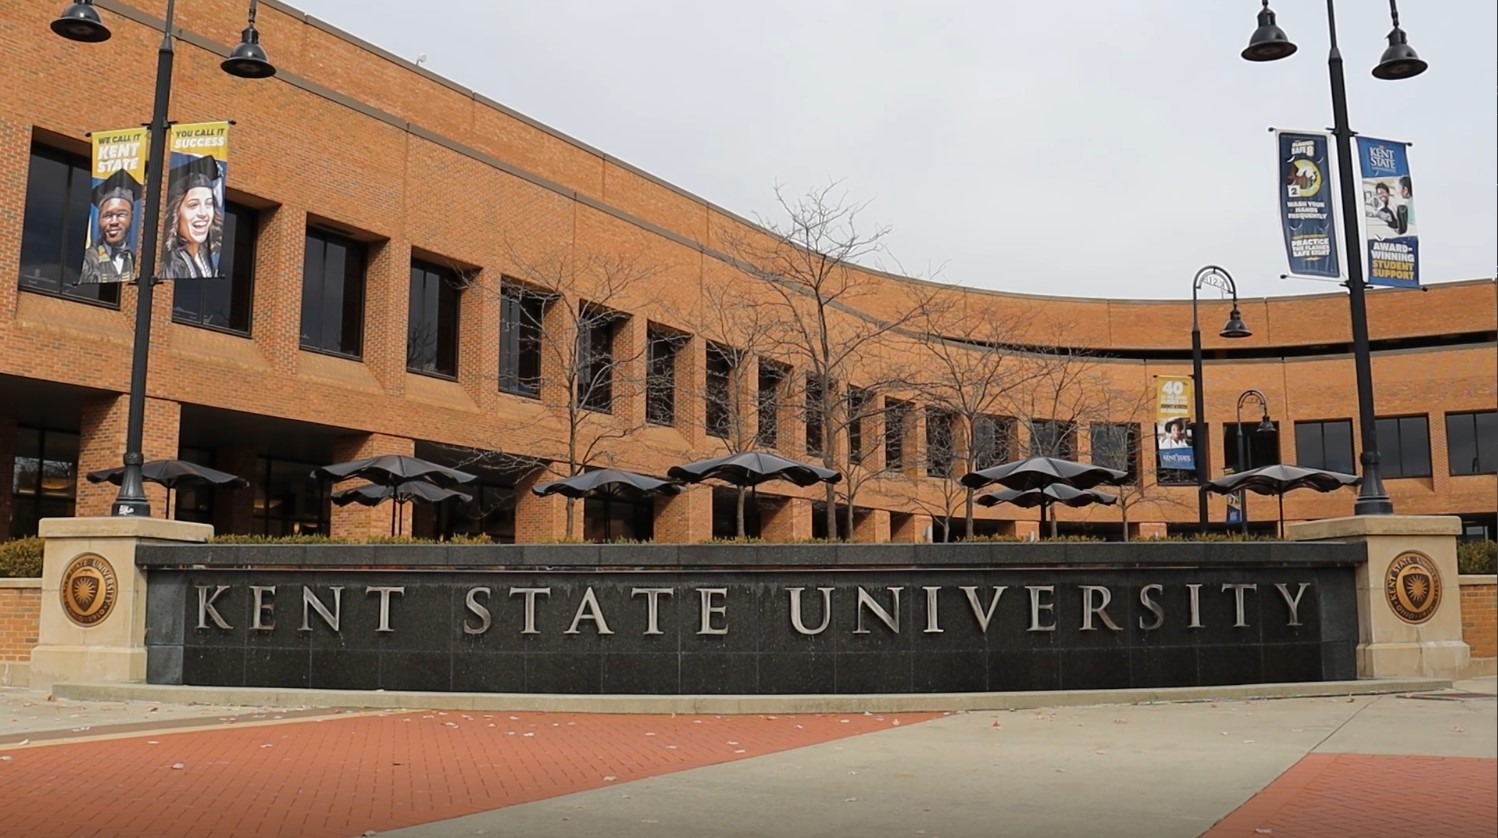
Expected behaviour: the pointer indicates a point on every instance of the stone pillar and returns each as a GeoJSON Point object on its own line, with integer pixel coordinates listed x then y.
{"type": "Point", "coordinates": [234, 509]}
{"type": "Point", "coordinates": [870, 526]}
{"type": "Point", "coordinates": [789, 520]}
{"type": "Point", "coordinates": [93, 617]}
{"type": "Point", "coordinates": [1409, 603]}
{"type": "Point", "coordinates": [7, 472]}
{"type": "Point", "coordinates": [685, 518]}
{"type": "Point", "coordinates": [101, 445]}
{"type": "Point", "coordinates": [361, 522]}
{"type": "Point", "coordinates": [907, 528]}
{"type": "Point", "coordinates": [538, 518]}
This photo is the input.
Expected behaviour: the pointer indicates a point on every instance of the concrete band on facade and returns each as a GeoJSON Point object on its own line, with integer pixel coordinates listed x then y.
{"type": "Point", "coordinates": [352, 140]}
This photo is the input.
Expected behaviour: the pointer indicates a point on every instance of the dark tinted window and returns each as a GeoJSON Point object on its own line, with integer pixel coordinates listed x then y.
{"type": "Point", "coordinates": [1404, 446]}
{"type": "Point", "coordinates": [223, 302]}
{"type": "Point", "coordinates": [333, 294]}
{"type": "Point", "coordinates": [1325, 445]}
{"type": "Point", "coordinates": [520, 316]}
{"type": "Point", "coordinates": [432, 331]}
{"type": "Point", "coordinates": [1472, 442]}
{"type": "Point", "coordinates": [58, 194]}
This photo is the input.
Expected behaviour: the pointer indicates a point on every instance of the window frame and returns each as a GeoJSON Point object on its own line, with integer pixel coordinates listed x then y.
{"type": "Point", "coordinates": [662, 348]}
{"type": "Point", "coordinates": [897, 413]}
{"type": "Point", "coordinates": [1391, 458]}
{"type": "Point", "coordinates": [79, 166]}
{"type": "Point", "coordinates": [940, 468]}
{"type": "Point", "coordinates": [1132, 447]}
{"type": "Point", "coordinates": [450, 287]}
{"type": "Point", "coordinates": [526, 334]}
{"type": "Point", "coordinates": [352, 245]}
{"type": "Point", "coordinates": [717, 408]}
{"type": "Point", "coordinates": [241, 213]}
{"type": "Point", "coordinates": [1478, 448]}
{"type": "Point", "coordinates": [767, 402]}
{"type": "Point", "coordinates": [1300, 458]}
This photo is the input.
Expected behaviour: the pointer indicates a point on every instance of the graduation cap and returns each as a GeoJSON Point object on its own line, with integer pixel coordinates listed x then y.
{"type": "Point", "coordinates": [118, 185]}
{"type": "Point", "coordinates": [197, 172]}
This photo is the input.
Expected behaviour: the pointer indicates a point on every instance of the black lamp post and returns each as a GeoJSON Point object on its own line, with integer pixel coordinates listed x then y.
{"type": "Point", "coordinates": [1244, 451]}
{"type": "Point", "coordinates": [80, 22]}
{"type": "Point", "coordinates": [1234, 328]}
{"type": "Point", "coordinates": [1398, 61]}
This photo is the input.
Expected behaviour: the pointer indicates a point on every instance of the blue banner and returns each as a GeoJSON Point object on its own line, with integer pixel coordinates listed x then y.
{"type": "Point", "coordinates": [1306, 205]}
{"type": "Point", "coordinates": [1393, 245]}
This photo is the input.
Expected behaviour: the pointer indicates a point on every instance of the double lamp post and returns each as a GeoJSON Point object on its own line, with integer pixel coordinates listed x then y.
{"type": "Point", "coordinates": [1399, 61]}
{"type": "Point", "coordinates": [80, 22]}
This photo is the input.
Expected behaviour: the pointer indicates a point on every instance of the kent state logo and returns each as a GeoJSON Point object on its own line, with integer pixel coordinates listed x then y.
{"type": "Point", "coordinates": [88, 589]}
{"type": "Point", "coordinates": [1413, 587]}
{"type": "Point", "coordinates": [1304, 179]}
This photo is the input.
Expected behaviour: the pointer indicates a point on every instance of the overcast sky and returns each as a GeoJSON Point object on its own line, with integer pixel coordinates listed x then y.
{"type": "Point", "coordinates": [1084, 148]}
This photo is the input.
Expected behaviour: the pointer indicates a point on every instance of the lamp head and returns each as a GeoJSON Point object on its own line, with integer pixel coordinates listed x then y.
{"type": "Point", "coordinates": [1265, 426]}
{"type": "Point", "coordinates": [80, 22]}
{"type": "Point", "coordinates": [1399, 60]}
{"type": "Point", "coordinates": [1235, 327]}
{"type": "Point", "coordinates": [1269, 42]}
{"type": "Point", "coordinates": [248, 60]}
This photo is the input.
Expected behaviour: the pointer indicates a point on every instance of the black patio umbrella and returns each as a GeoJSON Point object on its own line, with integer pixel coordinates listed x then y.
{"type": "Point", "coordinates": [172, 474]}
{"type": "Point", "coordinates": [748, 469]}
{"type": "Point", "coordinates": [606, 482]}
{"type": "Point", "coordinates": [374, 494]}
{"type": "Point", "coordinates": [1279, 479]}
{"type": "Point", "coordinates": [1047, 497]}
{"type": "Point", "coordinates": [393, 470]}
{"type": "Point", "coordinates": [1040, 472]}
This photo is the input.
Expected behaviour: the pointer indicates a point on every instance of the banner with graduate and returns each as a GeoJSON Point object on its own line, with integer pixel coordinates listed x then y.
{"type": "Point", "coordinates": [1173, 394]}
{"type": "Point", "coordinates": [113, 237]}
{"type": "Point", "coordinates": [1393, 246]}
{"type": "Point", "coordinates": [1306, 205]}
{"type": "Point", "coordinates": [192, 224]}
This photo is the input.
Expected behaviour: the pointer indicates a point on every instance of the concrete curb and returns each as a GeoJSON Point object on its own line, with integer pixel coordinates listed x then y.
{"type": "Point", "coordinates": [727, 704]}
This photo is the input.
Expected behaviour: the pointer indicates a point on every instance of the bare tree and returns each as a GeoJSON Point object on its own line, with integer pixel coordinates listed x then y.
{"type": "Point", "coordinates": [567, 307]}
{"type": "Point", "coordinates": [809, 260]}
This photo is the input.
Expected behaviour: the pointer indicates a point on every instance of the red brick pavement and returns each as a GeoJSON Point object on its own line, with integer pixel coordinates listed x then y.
{"type": "Point", "coordinates": [344, 776]}
{"type": "Point", "coordinates": [1368, 796]}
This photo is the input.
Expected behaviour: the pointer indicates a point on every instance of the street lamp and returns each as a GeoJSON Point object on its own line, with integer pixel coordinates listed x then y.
{"type": "Point", "coordinates": [1244, 452]}
{"type": "Point", "coordinates": [80, 21]}
{"type": "Point", "coordinates": [1235, 328]}
{"type": "Point", "coordinates": [1398, 61]}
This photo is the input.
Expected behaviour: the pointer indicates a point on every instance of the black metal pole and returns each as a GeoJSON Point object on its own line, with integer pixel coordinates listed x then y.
{"type": "Point", "coordinates": [1242, 465]}
{"type": "Point", "coordinates": [132, 501]}
{"type": "Point", "coordinates": [1198, 444]}
{"type": "Point", "coordinates": [1372, 499]}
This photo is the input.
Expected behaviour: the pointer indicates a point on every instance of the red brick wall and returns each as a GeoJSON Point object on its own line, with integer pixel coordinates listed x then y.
{"type": "Point", "coordinates": [1480, 615]}
{"type": "Point", "coordinates": [20, 615]}
{"type": "Point", "coordinates": [348, 136]}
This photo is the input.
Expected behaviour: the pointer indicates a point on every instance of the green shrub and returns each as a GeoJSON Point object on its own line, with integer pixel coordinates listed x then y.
{"type": "Point", "coordinates": [21, 558]}
{"type": "Point", "coordinates": [1477, 557]}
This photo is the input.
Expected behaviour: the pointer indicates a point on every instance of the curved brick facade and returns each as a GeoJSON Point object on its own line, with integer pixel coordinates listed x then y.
{"type": "Point", "coordinates": [354, 140]}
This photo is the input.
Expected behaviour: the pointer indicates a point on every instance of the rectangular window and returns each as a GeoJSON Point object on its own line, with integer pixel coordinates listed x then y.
{"type": "Point", "coordinates": [595, 358]}
{"type": "Point", "coordinates": [432, 330]}
{"type": "Point", "coordinates": [520, 314]}
{"type": "Point", "coordinates": [288, 500]}
{"type": "Point", "coordinates": [896, 414]}
{"type": "Point", "coordinates": [860, 402]}
{"type": "Point", "coordinates": [1262, 447]}
{"type": "Point", "coordinates": [44, 480]}
{"type": "Point", "coordinates": [1053, 438]}
{"type": "Point", "coordinates": [993, 438]}
{"type": "Point", "coordinates": [815, 432]}
{"type": "Point", "coordinates": [660, 374]}
{"type": "Point", "coordinates": [940, 444]}
{"type": "Point", "coordinates": [1325, 445]}
{"type": "Point", "coordinates": [1404, 446]}
{"type": "Point", "coordinates": [772, 378]}
{"type": "Point", "coordinates": [223, 302]}
{"type": "Point", "coordinates": [719, 402]}
{"type": "Point", "coordinates": [1472, 442]}
{"type": "Point", "coordinates": [333, 294]}
{"type": "Point", "coordinates": [1117, 447]}
{"type": "Point", "coordinates": [59, 195]}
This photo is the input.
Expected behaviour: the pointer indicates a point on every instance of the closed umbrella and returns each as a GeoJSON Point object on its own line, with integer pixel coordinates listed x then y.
{"type": "Point", "coordinates": [172, 474]}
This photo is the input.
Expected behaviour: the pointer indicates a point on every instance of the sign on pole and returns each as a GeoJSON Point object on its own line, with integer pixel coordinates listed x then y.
{"type": "Point", "coordinates": [1173, 431]}
{"type": "Point", "coordinates": [1306, 212]}
{"type": "Point", "coordinates": [192, 226]}
{"type": "Point", "coordinates": [113, 238]}
{"type": "Point", "coordinates": [1393, 246]}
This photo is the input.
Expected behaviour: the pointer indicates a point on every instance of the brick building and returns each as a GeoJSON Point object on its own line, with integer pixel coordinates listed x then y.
{"type": "Point", "coordinates": [404, 254]}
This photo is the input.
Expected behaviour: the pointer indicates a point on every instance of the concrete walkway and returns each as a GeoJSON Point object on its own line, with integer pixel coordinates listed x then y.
{"type": "Point", "coordinates": [1421, 763]}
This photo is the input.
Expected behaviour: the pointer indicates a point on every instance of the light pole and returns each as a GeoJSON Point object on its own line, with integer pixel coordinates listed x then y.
{"type": "Point", "coordinates": [1244, 452]}
{"type": "Point", "coordinates": [1398, 61]}
{"type": "Point", "coordinates": [80, 22]}
{"type": "Point", "coordinates": [1235, 328]}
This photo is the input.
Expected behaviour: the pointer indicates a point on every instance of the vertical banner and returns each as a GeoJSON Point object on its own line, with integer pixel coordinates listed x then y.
{"type": "Point", "coordinates": [113, 237]}
{"type": "Point", "coordinates": [1389, 214]}
{"type": "Point", "coordinates": [1173, 396]}
{"type": "Point", "coordinates": [1306, 212]}
{"type": "Point", "coordinates": [192, 225]}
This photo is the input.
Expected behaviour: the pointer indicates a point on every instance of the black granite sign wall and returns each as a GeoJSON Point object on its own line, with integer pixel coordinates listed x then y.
{"type": "Point", "coordinates": [750, 620]}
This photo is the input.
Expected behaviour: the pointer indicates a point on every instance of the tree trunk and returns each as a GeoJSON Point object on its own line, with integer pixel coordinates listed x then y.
{"type": "Point", "coordinates": [570, 514]}
{"type": "Point", "coordinates": [849, 517]}
{"type": "Point", "coordinates": [831, 513]}
{"type": "Point", "coordinates": [743, 491]}
{"type": "Point", "coordinates": [970, 514]}
{"type": "Point", "coordinates": [1123, 511]}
